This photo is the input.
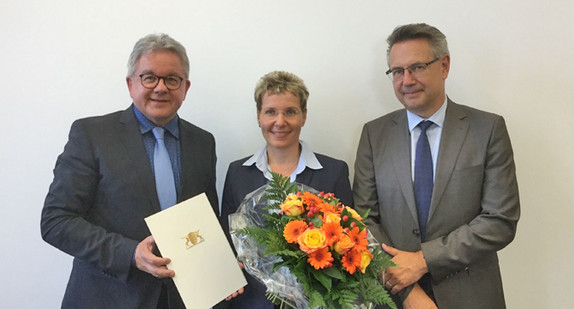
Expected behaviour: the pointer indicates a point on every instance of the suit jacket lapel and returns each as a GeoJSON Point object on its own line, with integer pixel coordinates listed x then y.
{"type": "Point", "coordinates": [399, 141]}
{"type": "Point", "coordinates": [131, 138]}
{"type": "Point", "coordinates": [305, 177]}
{"type": "Point", "coordinates": [188, 162]}
{"type": "Point", "coordinates": [453, 135]}
{"type": "Point", "coordinates": [257, 178]}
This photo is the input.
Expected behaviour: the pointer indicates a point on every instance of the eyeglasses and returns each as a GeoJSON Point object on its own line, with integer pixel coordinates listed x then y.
{"type": "Point", "coordinates": [151, 81]}
{"type": "Point", "coordinates": [288, 114]}
{"type": "Point", "coordinates": [415, 69]}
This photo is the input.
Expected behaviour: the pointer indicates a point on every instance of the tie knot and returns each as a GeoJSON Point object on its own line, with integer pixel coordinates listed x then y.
{"type": "Point", "coordinates": [158, 132]}
{"type": "Point", "coordinates": [424, 125]}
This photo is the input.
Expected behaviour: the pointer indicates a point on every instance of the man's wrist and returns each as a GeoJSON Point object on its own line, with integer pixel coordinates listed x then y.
{"type": "Point", "coordinates": [423, 266]}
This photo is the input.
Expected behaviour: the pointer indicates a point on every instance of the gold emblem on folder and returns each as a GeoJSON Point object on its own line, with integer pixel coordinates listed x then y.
{"type": "Point", "coordinates": [192, 239]}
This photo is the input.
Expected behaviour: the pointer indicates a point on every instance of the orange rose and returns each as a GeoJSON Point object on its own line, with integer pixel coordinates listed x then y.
{"type": "Point", "coordinates": [366, 258]}
{"type": "Point", "coordinates": [331, 217]}
{"type": "Point", "coordinates": [311, 240]}
{"type": "Point", "coordinates": [344, 244]}
{"type": "Point", "coordinates": [292, 206]}
{"type": "Point", "coordinates": [354, 213]}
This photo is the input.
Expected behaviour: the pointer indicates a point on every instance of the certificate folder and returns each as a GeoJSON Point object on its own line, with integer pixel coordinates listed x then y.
{"type": "Point", "coordinates": [206, 270]}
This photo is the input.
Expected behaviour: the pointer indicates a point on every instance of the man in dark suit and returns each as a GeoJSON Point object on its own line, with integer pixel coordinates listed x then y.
{"type": "Point", "coordinates": [443, 221]}
{"type": "Point", "coordinates": [104, 186]}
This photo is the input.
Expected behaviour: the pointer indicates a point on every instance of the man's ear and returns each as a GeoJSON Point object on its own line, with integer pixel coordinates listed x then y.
{"type": "Point", "coordinates": [129, 82]}
{"type": "Point", "coordinates": [445, 65]}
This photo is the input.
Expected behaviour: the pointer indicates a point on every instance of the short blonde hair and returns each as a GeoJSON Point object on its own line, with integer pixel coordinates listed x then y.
{"type": "Point", "coordinates": [277, 82]}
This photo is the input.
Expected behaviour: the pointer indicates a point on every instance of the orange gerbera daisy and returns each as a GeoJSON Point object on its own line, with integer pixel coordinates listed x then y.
{"type": "Point", "coordinates": [333, 230]}
{"type": "Point", "coordinates": [321, 258]}
{"type": "Point", "coordinates": [311, 200]}
{"type": "Point", "coordinates": [351, 261]}
{"type": "Point", "coordinates": [326, 207]}
{"type": "Point", "coordinates": [293, 230]}
{"type": "Point", "coordinates": [359, 238]}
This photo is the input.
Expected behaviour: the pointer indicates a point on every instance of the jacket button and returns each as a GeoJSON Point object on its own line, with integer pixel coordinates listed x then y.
{"type": "Point", "coordinates": [416, 232]}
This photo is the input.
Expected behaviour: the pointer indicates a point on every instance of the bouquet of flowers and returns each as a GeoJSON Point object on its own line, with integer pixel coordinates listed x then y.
{"type": "Point", "coordinates": [308, 249]}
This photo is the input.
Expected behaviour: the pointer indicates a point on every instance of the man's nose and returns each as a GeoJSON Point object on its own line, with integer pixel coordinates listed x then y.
{"type": "Point", "coordinates": [408, 77]}
{"type": "Point", "coordinates": [161, 86]}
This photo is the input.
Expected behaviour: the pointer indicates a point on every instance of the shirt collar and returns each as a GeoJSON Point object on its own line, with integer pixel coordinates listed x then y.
{"type": "Point", "coordinates": [146, 125]}
{"type": "Point", "coordinates": [437, 118]}
{"type": "Point", "coordinates": [306, 159]}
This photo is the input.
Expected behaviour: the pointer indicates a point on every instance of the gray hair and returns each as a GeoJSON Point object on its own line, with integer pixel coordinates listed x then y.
{"type": "Point", "coordinates": [277, 82]}
{"type": "Point", "coordinates": [157, 42]}
{"type": "Point", "coordinates": [436, 39]}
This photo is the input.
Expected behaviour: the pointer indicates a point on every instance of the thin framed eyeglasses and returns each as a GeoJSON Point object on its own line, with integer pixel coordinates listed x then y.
{"type": "Point", "coordinates": [415, 69]}
{"type": "Point", "coordinates": [150, 81]}
{"type": "Point", "coordinates": [288, 114]}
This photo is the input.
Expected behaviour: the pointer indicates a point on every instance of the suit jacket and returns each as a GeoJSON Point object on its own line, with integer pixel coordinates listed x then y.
{"type": "Point", "coordinates": [474, 209]}
{"type": "Point", "coordinates": [241, 180]}
{"type": "Point", "coordinates": [103, 188]}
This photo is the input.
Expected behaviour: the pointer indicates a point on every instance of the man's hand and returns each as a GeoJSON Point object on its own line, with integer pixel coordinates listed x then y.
{"type": "Point", "coordinates": [235, 294]}
{"type": "Point", "coordinates": [418, 299]}
{"type": "Point", "coordinates": [411, 266]}
{"type": "Point", "coordinates": [240, 291]}
{"type": "Point", "coordinates": [149, 262]}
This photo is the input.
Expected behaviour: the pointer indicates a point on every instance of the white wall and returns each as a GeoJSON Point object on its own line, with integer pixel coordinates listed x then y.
{"type": "Point", "coordinates": [61, 60]}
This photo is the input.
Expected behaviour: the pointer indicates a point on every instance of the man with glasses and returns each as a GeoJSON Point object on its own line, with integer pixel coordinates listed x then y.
{"type": "Point", "coordinates": [120, 168]}
{"type": "Point", "coordinates": [439, 181]}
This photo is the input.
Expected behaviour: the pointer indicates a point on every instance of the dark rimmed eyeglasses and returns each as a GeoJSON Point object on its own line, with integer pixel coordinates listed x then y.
{"type": "Point", "coordinates": [150, 81]}
{"type": "Point", "coordinates": [415, 69]}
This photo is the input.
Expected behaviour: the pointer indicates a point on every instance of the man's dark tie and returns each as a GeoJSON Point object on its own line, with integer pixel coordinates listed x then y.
{"type": "Point", "coordinates": [164, 181]}
{"type": "Point", "coordinates": [423, 177]}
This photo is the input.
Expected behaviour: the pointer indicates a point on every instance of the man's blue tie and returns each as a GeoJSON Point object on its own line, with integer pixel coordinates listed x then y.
{"type": "Point", "coordinates": [423, 177]}
{"type": "Point", "coordinates": [164, 181]}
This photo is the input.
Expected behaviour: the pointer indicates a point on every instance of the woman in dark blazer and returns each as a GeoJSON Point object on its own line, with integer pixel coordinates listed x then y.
{"type": "Point", "coordinates": [281, 99]}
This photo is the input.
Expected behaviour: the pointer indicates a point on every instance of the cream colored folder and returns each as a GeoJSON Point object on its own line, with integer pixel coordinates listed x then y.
{"type": "Point", "coordinates": [206, 270]}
